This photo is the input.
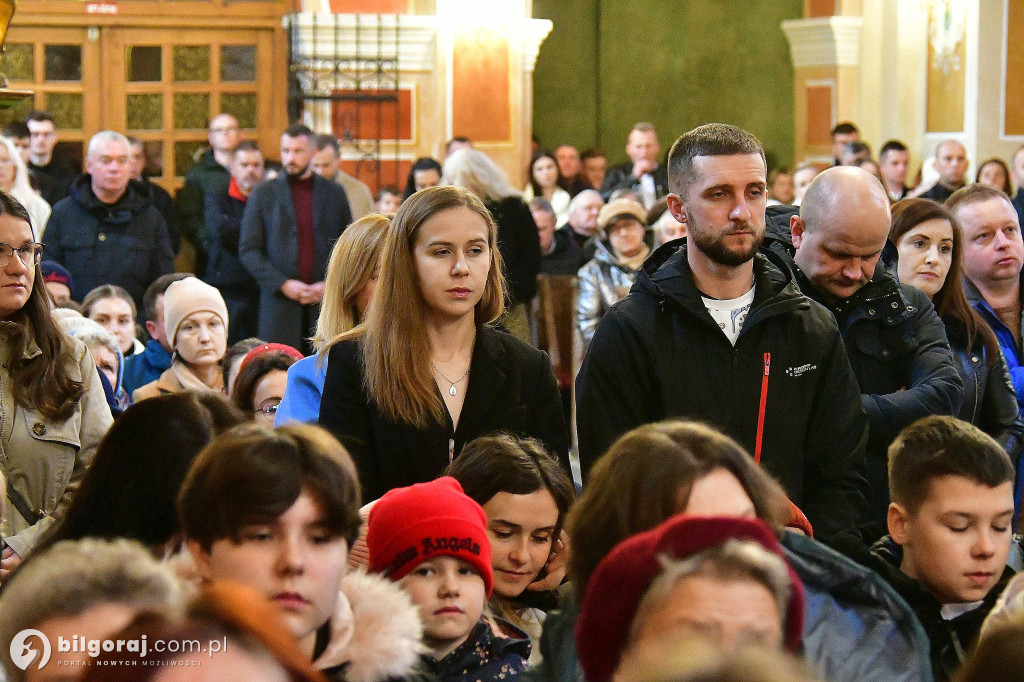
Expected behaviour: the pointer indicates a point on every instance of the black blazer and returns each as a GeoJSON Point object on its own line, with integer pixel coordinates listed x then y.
{"type": "Point", "coordinates": [511, 388]}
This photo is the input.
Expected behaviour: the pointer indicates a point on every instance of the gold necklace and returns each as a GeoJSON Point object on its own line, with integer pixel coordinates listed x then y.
{"type": "Point", "coordinates": [451, 391]}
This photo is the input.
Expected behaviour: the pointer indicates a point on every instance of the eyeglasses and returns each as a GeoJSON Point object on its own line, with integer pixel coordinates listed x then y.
{"type": "Point", "coordinates": [29, 255]}
{"type": "Point", "coordinates": [231, 129]}
{"type": "Point", "coordinates": [269, 410]}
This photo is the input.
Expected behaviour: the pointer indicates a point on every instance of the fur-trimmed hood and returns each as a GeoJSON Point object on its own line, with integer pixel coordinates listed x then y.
{"type": "Point", "coordinates": [376, 633]}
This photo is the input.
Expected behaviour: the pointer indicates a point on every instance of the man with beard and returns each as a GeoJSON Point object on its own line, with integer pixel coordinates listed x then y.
{"type": "Point", "coordinates": [715, 331]}
{"type": "Point", "coordinates": [289, 226]}
{"type": "Point", "coordinates": [895, 340]}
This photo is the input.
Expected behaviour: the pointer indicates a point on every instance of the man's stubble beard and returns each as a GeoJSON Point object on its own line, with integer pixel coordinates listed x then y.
{"type": "Point", "coordinates": [715, 249]}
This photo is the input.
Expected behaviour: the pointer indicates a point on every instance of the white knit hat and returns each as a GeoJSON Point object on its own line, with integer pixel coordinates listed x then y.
{"type": "Point", "coordinates": [187, 296]}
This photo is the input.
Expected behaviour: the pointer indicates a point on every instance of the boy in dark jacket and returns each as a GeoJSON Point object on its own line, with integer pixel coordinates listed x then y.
{"type": "Point", "coordinates": [950, 531]}
{"type": "Point", "coordinates": [431, 538]}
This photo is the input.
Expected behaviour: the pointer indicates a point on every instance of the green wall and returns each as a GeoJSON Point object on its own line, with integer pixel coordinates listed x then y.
{"type": "Point", "coordinates": [677, 63]}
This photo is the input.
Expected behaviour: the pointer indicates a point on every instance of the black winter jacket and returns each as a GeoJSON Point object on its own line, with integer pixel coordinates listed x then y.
{"type": "Point", "coordinates": [224, 270]}
{"type": "Point", "coordinates": [950, 640]}
{"type": "Point", "coordinates": [621, 177]}
{"type": "Point", "coordinates": [658, 354]}
{"type": "Point", "coordinates": [125, 243]}
{"type": "Point", "coordinates": [989, 401]}
{"type": "Point", "coordinates": [897, 346]}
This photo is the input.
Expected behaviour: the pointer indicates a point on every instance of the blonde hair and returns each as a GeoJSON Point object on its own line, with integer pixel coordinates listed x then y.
{"type": "Point", "coordinates": [396, 351]}
{"type": "Point", "coordinates": [354, 259]}
{"type": "Point", "coordinates": [475, 171]}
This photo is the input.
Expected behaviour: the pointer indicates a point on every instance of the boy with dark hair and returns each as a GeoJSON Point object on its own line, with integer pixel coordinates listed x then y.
{"type": "Point", "coordinates": [147, 366]}
{"type": "Point", "coordinates": [950, 531]}
{"type": "Point", "coordinates": [278, 511]}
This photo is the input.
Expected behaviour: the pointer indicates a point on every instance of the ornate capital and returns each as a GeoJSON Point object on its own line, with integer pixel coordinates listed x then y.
{"type": "Point", "coordinates": [826, 41]}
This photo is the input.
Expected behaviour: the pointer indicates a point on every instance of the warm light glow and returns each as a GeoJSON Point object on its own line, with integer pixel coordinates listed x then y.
{"type": "Point", "coordinates": [478, 13]}
{"type": "Point", "coordinates": [947, 21]}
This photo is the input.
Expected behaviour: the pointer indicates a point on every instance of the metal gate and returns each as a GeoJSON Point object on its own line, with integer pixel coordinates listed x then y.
{"type": "Point", "coordinates": [344, 78]}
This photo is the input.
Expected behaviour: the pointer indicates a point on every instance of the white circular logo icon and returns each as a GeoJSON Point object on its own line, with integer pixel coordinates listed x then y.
{"type": "Point", "coordinates": [22, 654]}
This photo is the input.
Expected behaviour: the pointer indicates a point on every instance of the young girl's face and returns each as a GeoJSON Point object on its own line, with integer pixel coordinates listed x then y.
{"type": "Point", "coordinates": [521, 529]}
{"type": "Point", "coordinates": [452, 256]}
{"type": "Point", "coordinates": [450, 595]}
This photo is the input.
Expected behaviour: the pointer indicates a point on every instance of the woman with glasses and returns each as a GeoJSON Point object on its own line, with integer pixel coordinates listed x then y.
{"type": "Point", "coordinates": [262, 377]}
{"type": "Point", "coordinates": [53, 411]}
{"type": "Point", "coordinates": [196, 323]}
{"type": "Point", "coordinates": [14, 180]}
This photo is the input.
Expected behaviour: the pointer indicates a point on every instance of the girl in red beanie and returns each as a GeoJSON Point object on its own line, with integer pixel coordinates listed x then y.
{"type": "Point", "coordinates": [431, 539]}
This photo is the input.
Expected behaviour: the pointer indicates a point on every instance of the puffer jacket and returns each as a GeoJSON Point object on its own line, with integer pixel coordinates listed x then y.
{"type": "Point", "coordinates": [374, 634]}
{"type": "Point", "coordinates": [785, 391]}
{"type": "Point", "coordinates": [856, 626]}
{"type": "Point", "coordinates": [45, 461]}
{"type": "Point", "coordinates": [125, 243]}
{"type": "Point", "coordinates": [603, 282]}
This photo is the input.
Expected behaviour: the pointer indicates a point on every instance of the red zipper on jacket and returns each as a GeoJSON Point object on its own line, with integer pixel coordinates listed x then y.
{"type": "Point", "coordinates": [760, 411]}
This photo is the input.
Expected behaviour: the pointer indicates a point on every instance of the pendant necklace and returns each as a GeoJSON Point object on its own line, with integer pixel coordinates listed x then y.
{"type": "Point", "coordinates": [451, 391]}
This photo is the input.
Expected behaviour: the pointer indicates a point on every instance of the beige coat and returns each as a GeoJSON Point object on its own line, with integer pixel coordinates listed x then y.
{"type": "Point", "coordinates": [167, 383]}
{"type": "Point", "coordinates": [177, 377]}
{"type": "Point", "coordinates": [46, 461]}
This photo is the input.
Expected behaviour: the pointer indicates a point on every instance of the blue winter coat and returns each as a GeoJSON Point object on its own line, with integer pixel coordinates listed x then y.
{"type": "Point", "coordinates": [302, 392]}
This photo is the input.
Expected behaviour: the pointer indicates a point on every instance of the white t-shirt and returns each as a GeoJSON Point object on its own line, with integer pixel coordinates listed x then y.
{"type": "Point", "coordinates": [730, 314]}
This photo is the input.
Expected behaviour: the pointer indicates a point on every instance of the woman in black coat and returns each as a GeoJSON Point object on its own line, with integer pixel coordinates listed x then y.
{"type": "Point", "coordinates": [930, 245]}
{"type": "Point", "coordinates": [426, 373]}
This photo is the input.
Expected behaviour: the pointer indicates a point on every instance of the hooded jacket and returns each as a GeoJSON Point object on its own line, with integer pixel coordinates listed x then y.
{"type": "Point", "coordinates": [785, 392]}
{"type": "Point", "coordinates": [374, 634]}
{"type": "Point", "coordinates": [856, 627]}
{"type": "Point", "coordinates": [125, 243]}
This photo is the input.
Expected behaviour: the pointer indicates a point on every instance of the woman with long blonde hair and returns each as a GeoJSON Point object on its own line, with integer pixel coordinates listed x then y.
{"type": "Point", "coordinates": [426, 373]}
{"type": "Point", "coordinates": [349, 286]}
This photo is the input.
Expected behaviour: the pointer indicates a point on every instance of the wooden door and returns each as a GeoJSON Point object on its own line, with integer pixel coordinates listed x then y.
{"type": "Point", "coordinates": [61, 65]}
{"type": "Point", "coordinates": [164, 85]}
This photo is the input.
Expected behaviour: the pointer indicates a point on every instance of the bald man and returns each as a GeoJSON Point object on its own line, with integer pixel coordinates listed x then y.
{"type": "Point", "coordinates": [894, 338]}
{"type": "Point", "coordinates": [951, 165]}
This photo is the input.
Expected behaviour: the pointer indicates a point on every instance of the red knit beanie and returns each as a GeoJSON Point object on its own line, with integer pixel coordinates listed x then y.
{"type": "Point", "coordinates": [622, 578]}
{"type": "Point", "coordinates": [409, 525]}
{"type": "Point", "coordinates": [290, 351]}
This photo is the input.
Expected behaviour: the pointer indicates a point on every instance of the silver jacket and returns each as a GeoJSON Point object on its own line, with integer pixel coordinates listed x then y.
{"type": "Point", "coordinates": [603, 281]}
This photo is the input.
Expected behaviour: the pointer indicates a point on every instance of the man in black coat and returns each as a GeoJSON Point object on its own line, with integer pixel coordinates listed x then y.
{"type": "Point", "coordinates": [224, 270]}
{"type": "Point", "coordinates": [44, 161]}
{"type": "Point", "coordinates": [107, 231]}
{"type": "Point", "coordinates": [895, 340]}
{"type": "Point", "coordinates": [951, 165]}
{"type": "Point", "coordinates": [642, 173]}
{"type": "Point", "coordinates": [559, 254]}
{"type": "Point", "coordinates": [714, 331]}
{"type": "Point", "coordinates": [156, 194]}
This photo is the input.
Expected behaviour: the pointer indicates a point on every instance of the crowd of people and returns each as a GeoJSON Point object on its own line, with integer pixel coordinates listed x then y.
{"type": "Point", "coordinates": [339, 451]}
